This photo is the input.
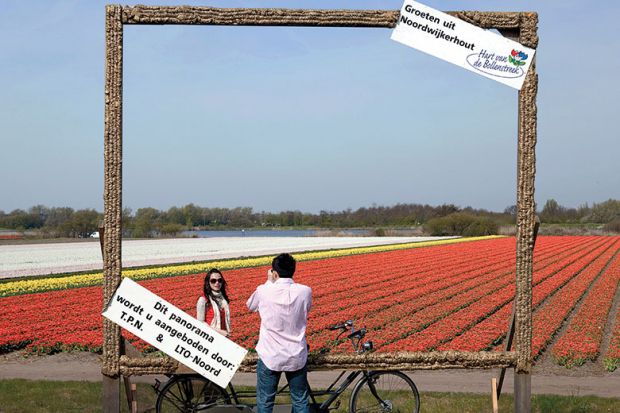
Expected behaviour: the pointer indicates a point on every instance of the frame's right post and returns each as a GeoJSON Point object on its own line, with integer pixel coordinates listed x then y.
{"type": "Point", "coordinates": [526, 211]}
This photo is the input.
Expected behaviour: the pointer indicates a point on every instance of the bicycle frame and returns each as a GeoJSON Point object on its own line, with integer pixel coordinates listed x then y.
{"type": "Point", "coordinates": [334, 394]}
{"type": "Point", "coordinates": [334, 391]}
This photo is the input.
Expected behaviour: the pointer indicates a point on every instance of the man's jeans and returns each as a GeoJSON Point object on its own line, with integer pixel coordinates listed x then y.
{"type": "Point", "coordinates": [267, 386]}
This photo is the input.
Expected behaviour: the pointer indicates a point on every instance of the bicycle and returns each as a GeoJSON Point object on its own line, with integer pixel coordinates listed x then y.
{"type": "Point", "coordinates": [376, 391]}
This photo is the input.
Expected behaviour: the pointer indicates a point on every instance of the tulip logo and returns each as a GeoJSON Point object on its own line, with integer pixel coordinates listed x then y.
{"type": "Point", "coordinates": [517, 58]}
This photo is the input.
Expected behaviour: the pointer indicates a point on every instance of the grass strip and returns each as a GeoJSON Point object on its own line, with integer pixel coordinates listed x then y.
{"type": "Point", "coordinates": [18, 395]}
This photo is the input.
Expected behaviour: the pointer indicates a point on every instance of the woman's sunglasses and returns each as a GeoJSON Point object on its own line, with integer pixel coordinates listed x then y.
{"type": "Point", "coordinates": [215, 280]}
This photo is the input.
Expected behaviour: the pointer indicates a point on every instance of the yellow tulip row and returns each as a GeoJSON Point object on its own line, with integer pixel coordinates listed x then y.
{"type": "Point", "coordinates": [82, 280]}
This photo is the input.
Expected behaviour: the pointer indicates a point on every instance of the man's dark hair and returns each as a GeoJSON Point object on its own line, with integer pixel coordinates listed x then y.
{"type": "Point", "coordinates": [284, 265]}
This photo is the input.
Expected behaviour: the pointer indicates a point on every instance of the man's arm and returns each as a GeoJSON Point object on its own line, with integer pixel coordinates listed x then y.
{"type": "Point", "coordinates": [309, 300]}
{"type": "Point", "coordinates": [252, 303]}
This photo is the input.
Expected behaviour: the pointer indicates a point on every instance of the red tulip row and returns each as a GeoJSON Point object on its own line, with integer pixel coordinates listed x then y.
{"type": "Point", "coordinates": [338, 281]}
{"type": "Point", "coordinates": [414, 316]}
{"type": "Point", "coordinates": [445, 329]}
{"type": "Point", "coordinates": [52, 321]}
{"type": "Point", "coordinates": [55, 320]}
{"type": "Point", "coordinates": [431, 302]}
{"type": "Point", "coordinates": [491, 330]}
{"type": "Point", "coordinates": [341, 275]}
{"type": "Point", "coordinates": [582, 339]}
{"type": "Point", "coordinates": [358, 303]}
{"type": "Point", "coordinates": [423, 298]}
{"type": "Point", "coordinates": [45, 323]}
{"type": "Point", "coordinates": [386, 290]}
{"type": "Point", "coordinates": [549, 317]}
{"type": "Point", "coordinates": [179, 290]}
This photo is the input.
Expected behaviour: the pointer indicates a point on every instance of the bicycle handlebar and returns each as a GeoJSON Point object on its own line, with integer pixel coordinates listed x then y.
{"type": "Point", "coordinates": [341, 326]}
{"type": "Point", "coordinates": [358, 334]}
{"type": "Point", "coordinates": [354, 336]}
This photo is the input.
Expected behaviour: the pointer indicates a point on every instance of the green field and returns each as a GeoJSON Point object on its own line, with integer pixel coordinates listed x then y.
{"type": "Point", "coordinates": [18, 396]}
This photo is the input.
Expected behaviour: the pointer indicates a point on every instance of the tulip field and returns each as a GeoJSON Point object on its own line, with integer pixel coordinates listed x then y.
{"type": "Point", "coordinates": [455, 295]}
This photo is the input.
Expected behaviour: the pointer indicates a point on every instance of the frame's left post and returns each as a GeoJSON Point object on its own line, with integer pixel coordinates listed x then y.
{"type": "Point", "coordinates": [112, 195]}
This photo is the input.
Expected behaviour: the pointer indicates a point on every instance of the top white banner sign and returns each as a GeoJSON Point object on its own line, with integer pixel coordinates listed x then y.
{"type": "Point", "coordinates": [463, 44]}
{"type": "Point", "coordinates": [175, 332]}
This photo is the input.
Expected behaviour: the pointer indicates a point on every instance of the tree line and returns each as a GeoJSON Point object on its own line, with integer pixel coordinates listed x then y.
{"type": "Point", "coordinates": [446, 219]}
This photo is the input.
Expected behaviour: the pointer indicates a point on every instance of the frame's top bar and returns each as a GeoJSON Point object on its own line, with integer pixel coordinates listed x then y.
{"type": "Point", "coordinates": [198, 15]}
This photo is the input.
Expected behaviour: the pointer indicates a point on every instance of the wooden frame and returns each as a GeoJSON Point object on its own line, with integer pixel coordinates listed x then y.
{"type": "Point", "coordinates": [517, 25]}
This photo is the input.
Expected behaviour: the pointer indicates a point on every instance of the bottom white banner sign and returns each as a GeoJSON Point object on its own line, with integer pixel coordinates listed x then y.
{"type": "Point", "coordinates": [176, 333]}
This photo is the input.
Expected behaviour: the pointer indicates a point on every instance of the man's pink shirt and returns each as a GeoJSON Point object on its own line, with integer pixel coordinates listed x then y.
{"type": "Point", "coordinates": [283, 306]}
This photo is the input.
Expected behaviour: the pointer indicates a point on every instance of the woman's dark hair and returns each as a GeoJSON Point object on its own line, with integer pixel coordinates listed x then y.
{"type": "Point", "coordinates": [207, 284]}
{"type": "Point", "coordinates": [284, 265]}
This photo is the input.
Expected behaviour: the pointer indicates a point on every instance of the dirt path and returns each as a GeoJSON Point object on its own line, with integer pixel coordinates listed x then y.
{"type": "Point", "coordinates": [546, 379]}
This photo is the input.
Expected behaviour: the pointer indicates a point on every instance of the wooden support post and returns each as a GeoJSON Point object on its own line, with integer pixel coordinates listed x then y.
{"type": "Point", "coordinates": [511, 333]}
{"type": "Point", "coordinates": [494, 395]}
{"type": "Point", "coordinates": [111, 394]}
{"type": "Point", "coordinates": [130, 390]}
{"type": "Point", "coordinates": [523, 392]}
{"type": "Point", "coordinates": [134, 402]}
{"type": "Point", "coordinates": [129, 349]}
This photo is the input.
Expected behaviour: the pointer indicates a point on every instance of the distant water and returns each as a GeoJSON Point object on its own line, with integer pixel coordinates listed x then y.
{"type": "Point", "coordinates": [274, 233]}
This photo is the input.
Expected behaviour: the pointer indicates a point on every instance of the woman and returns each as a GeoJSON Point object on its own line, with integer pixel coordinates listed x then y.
{"type": "Point", "coordinates": [212, 307]}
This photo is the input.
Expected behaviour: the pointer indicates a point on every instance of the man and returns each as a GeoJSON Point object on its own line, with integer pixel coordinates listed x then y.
{"type": "Point", "coordinates": [283, 306]}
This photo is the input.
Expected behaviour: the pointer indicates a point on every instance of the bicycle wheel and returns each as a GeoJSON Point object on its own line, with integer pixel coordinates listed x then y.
{"type": "Point", "coordinates": [189, 394]}
{"type": "Point", "coordinates": [385, 392]}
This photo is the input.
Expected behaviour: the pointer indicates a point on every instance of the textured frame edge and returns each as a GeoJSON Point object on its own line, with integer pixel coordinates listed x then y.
{"type": "Point", "coordinates": [526, 207]}
{"type": "Point", "coordinates": [112, 194]}
{"type": "Point", "coordinates": [116, 16]}
{"type": "Point", "coordinates": [383, 361]}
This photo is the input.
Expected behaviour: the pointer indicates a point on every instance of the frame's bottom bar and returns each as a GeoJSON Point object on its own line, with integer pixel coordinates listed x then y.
{"type": "Point", "coordinates": [134, 366]}
{"type": "Point", "coordinates": [435, 360]}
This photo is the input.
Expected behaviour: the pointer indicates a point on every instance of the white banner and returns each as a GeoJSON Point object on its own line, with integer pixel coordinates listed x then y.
{"type": "Point", "coordinates": [463, 44]}
{"type": "Point", "coordinates": [176, 333]}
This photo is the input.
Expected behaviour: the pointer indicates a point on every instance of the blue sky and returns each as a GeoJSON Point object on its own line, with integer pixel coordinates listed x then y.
{"type": "Point", "coordinates": [299, 118]}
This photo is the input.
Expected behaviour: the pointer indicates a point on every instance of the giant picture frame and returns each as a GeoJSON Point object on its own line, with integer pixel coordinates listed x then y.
{"type": "Point", "coordinates": [520, 26]}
